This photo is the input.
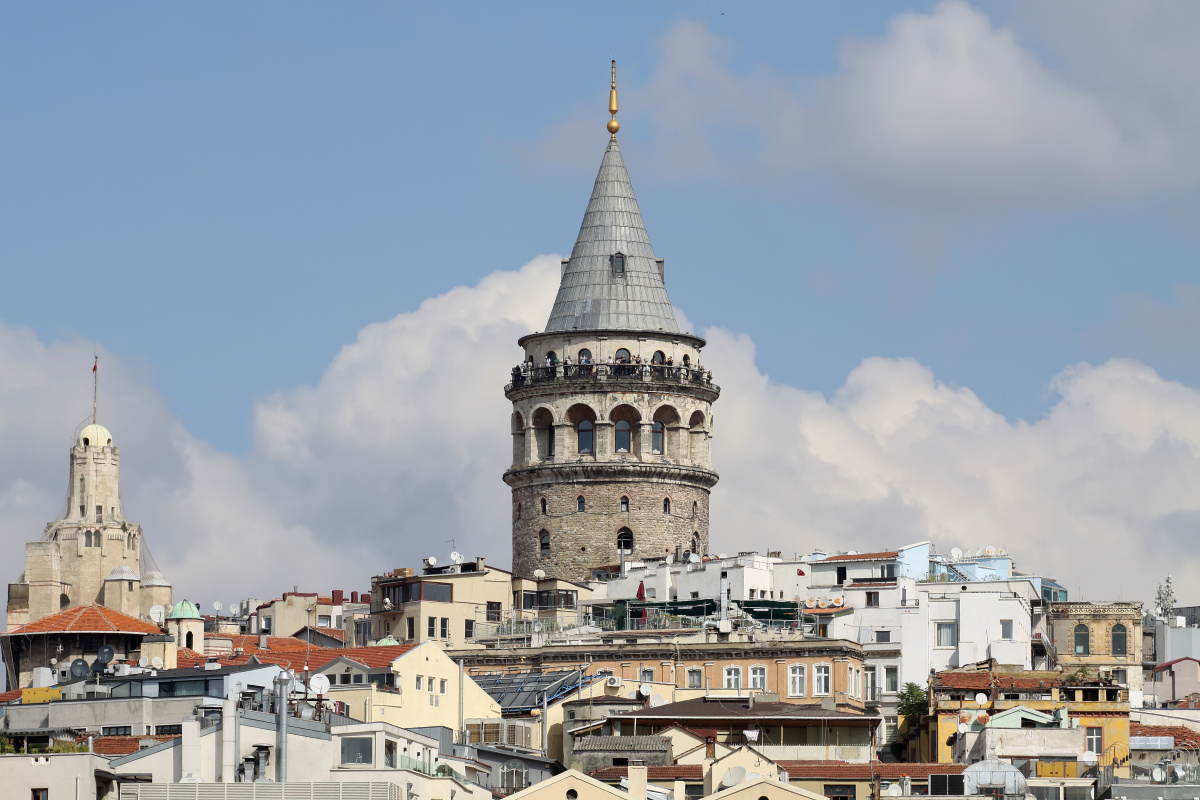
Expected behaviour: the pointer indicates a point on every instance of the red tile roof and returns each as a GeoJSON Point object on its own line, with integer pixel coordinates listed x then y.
{"type": "Point", "coordinates": [1184, 737]}
{"type": "Point", "coordinates": [91, 618]}
{"type": "Point", "coordinates": [124, 745]}
{"type": "Point", "coordinates": [805, 770]}
{"type": "Point", "coordinates": [674, 772]}
{"type": "Point", "coordinates": [336, 633]}
{"type": "Point", "coordinates": [860, 557]}
{"type": "Point", "coordinates": [8, 697]}
{"type": "Point", "coordinates": [1166, 664]}
{"type": "Point", "coordinates": [980, 681]}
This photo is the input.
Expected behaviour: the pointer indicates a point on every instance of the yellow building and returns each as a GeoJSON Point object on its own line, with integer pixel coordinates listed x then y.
{"type": "Point", "coordinates": [1104, 638]}
{"type": "Point", "coordinates": [973, 697]}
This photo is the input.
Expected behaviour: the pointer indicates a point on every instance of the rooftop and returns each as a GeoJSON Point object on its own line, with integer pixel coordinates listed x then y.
{"type": "Point", "coordinates": [864, 772]}
{"type": "Point", "coordinates": [620, 744]}
{"type": "Point", "coordinates": [673, 772]}
{"type": "Point", "coordinates": [112, 746]}
{"type": "Point", "coordinates": [1184, 737]}
{"type": "Point", "coordinates": [740, 708]}
{"type": "Point", "coordinates": [859, 557]}
{"type": "Point", "coordinates": [91, 618]}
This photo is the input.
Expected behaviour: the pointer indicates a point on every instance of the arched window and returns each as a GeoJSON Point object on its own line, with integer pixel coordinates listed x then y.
{"type": "Point", "coordinates": [656, 438]}
{"type": "Point", "coordinates": [624, 503]}
{"type": "Point", "coordinates": [618, 263]}
{"type": "Point", "coordinates": [552, 357]}
{"type": "Point", "coordinates": [544, 542]}
{"type": "Point", "coordinates": [582, 503]}
{"type": "Point", "coordinates": [695, 509]}
{"type": "Point", "coordinates": [1082, 647]}
{"type": "Point", "coordinates": [1119, 647]}
{"type": "Point", "coordinates": [518, 510]}
{"type": "Point", "coordinates": [543, 506]}
{"type": "Point", "coordinates": [625, 539]}
{"type": "Point", "coordinates": [687, 361]}
{"type": "Point", "coordinates": [658, 358]}
{"type": "Point", "coordinates": [586, 436]}
{"type": "Point", "coordinates": [585, 356]}
{"type": "Point", "coordinates": [87, 538]}
{"type": "Point", "coordinates": [188, 641]}
{"type": "Point", "coordinates": [666, 505]}
{"type": "Point", "coordinates": [513, 776]}
{"type": "Point", "coordinates": [696, 542]}
{"type": "Point", "coordinates": [623, 356]}
{"type": "Point", "coordinates": [623, 437]}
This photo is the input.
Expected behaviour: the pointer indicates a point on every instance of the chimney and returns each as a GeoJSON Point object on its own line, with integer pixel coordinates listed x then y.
{"type": "Point", "coordinates": [354, 597]}
{"type": "Point", "coordinates": [710, 747]}
{"type": "Point", "coordinates": [262, 640]}
{"type": "Point", "coordinates": [338, 597]}
{"type": "Point", "coordinates": [364, 597]}
{"type": "Point", "coordinates": [637, 780]}
{"type": "Point", "coordinates": [479, 564]}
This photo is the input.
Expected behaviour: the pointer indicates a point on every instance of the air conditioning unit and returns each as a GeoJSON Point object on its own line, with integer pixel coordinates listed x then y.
{"type": "Point", "coordinates": [613, 680]}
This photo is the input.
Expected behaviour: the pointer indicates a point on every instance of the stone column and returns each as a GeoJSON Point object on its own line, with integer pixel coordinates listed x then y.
{"type": "Point", "coordinates": [644, 446]}
{"type": "Point", "coordinates": [677, 444]}
{"type": "Point", "coordinates": [530, 437]}
{"type": "Point", "coordinates": [603, 446]}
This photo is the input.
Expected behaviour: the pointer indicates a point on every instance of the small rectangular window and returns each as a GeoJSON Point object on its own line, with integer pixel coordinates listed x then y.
{"type": "Point", "coordinates": [947, 634]}
{"type": "Point", "coordinates": [1120, 676]}
{"type": "Point", "coordinates": [823, 680]}
{"type": "Point", "coordinates": [445, 627]}
{"type": "Point", "coordinates": [1095, 740]}
{"type": "Point", "coordinates": [419, 682]}
{"type": "Point", "coordinates": [412, 624]}
{"type": "Point", "coordinates": [432, 626]}
{"type": "Point", "coordinates": [469, 629]}
{"type": "Point", "coordinates": [872, 599]}
{"type": "Point", "coordinates": [695, 595]}
{"type": "Point", "coordinates": [442, 686]}
{"type": "Point", "coordinates": [99, 513]}
{"type": "Point", "coordinates": [695, 678]}
{"type": "Point", "coordinates": [429, 683]}
{"type": "Point", "coordinates": [839, 791]}
{"type": "Point", "coordinates": [357, 749]}
{"type": "Point", "coordinates": [797, 680]}
{"type": "Point", "coordinates": [883, 637]}
{"type": "Point", "coordinates": [646, 675]}
{"type": "Point", "coordinates": [117, 730]}
{"type": "Point", "coordinates": [758, 678]}
{"type": "Point", "coordinates": [841, 575]}
{"type": "Point", "coordinates": [891, 679]}
{"type": "Point", "coordinates": [887, 571]}
{"type": "Point", "coordinates": [1006, 629]}
{"type": "Point", "coordinates": [358, 678]}
{"type": "Point", "coordinates": [733, 677]}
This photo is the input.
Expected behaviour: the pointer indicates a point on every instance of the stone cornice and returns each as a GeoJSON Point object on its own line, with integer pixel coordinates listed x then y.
{"type": "Point", "coordinates": [585, 471]}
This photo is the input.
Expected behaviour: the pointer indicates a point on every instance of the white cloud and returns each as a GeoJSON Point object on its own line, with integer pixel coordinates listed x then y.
{"type": "Point", "coordinates": [401, 445]}
{"type": "Point", "coordinates": [944, 107]}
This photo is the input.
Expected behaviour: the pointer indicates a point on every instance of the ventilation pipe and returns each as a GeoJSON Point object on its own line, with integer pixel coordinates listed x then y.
{"type": "Point", "coordinates": [282, 682]}
{"type": "Point", "coordinates": [724, 598]}
{"type": "Point", "coordinates": [228, 752]}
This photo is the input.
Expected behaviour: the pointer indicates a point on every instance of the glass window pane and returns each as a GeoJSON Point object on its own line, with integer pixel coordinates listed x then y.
{"type": "Point", "coordinates": [357, 749]}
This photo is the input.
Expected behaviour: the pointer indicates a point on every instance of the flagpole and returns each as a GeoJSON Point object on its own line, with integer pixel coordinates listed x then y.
{"type": "Point", "coordinates": [95, 386]}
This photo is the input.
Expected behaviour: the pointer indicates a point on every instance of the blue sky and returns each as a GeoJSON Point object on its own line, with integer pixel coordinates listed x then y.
{"type": "Point", "coordinates": [225, 197]}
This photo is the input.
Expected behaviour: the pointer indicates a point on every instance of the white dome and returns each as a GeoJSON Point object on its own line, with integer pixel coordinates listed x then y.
{"type": "Point", "coordinates": [122, 573]}
{"type": "Point", "coordinates": [155, 578]}
{"type": "Point", "coordinates": [95, 436]}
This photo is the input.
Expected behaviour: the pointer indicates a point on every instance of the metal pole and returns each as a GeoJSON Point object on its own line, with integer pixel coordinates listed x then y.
{"type": "Point", "coordinates": [282, 681]}
{"type": "Point", "coordinates": [545, 729]}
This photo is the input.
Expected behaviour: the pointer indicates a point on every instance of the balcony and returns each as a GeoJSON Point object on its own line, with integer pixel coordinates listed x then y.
{"type": "Point", "coordinates": [659, 374]}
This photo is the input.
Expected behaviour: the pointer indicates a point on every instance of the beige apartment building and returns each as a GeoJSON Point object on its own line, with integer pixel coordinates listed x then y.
{"type": "Point", "coordinates": [288, 615]}
{"type": "Point", "coordinates": [1105, 638]}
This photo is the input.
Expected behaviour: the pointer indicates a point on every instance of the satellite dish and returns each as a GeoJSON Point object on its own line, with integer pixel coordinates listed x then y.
{"type": "Point", "coordinates": [1090, 758]}
{"type": "Point", "coordinates": [823, 602]}
{"type": "Point", "coordinates": [539, 573]}
{"type": "Point", "coordinates": [980, 698]}
{"type": "Point", "coordinates": [839, 601]}
{"type": "Point", "coordinates": [810, 603]}
{"type": "Point", "coordinates": [457, 557]}
{"type": "Point", "coordinates": [217, 607]}
{"type": "Point", "coordinates": [963, 727]}
{"type": "Point", "coordinates": [431, 561]}
{"type": "Point", "coordinates": [1157, 774]}
{"type": "Point", "coordinates": [894, 790]}
{"type": "Point", "coordinates": [158, 614]}
{"type": "Point", "coordinates": [143, 662]}
{"type": "Point", "coordinates": [537, 627]}
{"type": "Point", "coordinates": [956, 553]}
{"type": "Point", "coordinates": [656, 700]}
{"type": "Point", "coordinates": [105, 654]}
{"type": "Point", "coordinates": [687, 555]}
{"type": "Point", "coordinates": [1002, 552]}
{"type": "Point", "coordinates": [319, 684]}
{"type": "Point", "coordinates": [79, 668]}
{"type": "Point", "coordinates": [733, 776]}
{"type": "Point", "coordinates": [694, 559]}
{"type": "Point", "coordinates": [156, 663]}
{"type": "Point", "coordinates": [989, 550]}
{"type": "Point", "coordinates": [234, 608]}
{"type": "Point", "coordinates": [645, 689]}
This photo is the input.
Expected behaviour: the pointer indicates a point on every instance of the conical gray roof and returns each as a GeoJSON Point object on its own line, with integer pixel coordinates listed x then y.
{"type": "Point", "coordinates": [591, 296]}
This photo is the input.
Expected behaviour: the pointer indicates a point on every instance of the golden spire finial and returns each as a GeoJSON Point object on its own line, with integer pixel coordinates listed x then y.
{"type": "Point", "coordinates": [613, 125]}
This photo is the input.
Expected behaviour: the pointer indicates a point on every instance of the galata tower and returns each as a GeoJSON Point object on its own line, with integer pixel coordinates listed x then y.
{"type": "Point", "coordinates": [612, 409]}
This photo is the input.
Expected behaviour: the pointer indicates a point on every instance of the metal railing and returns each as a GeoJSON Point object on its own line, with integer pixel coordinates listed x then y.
{"type": "Point", "coordinates": [655, 373]}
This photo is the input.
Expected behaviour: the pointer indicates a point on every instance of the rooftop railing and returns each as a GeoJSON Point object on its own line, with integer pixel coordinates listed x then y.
{"type": "Point", "coordinates": [525, 375]}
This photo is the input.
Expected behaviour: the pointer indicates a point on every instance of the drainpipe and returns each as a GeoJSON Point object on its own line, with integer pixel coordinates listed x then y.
{"type": "Point", "coordinates": [282, 681]}
{"type": "Point", "coordinates": [462, 680]}
{"type": "Point", "coordinates": [545, 729]}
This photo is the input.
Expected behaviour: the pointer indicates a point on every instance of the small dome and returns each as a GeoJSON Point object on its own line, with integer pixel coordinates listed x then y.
{"type": "Point", "coordinates": [387, 641]}
{"type": "Point", "coordinates": [184, 609]}
{"type": "Point", "coordinates": [155, 578]}
{"type": "Point", "coordinates": [122, 573]}
{"type": "Point", "coordinates": [95, 436]}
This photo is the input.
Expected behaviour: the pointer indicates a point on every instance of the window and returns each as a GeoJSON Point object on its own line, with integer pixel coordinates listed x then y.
{"type": "Point", "coordinates": [116, 730]}
{"type": "Point", "coordinates": [585, 356]}
{"type": "Point", "coordinates": [659, 357]}
{"type": "Point", "coordinates": [412, 623]}
{"type": "Point", "coordinates": [891, 679]}
{"type": "Point", "coordinates": [646, 674]}
{"type": "Point", "coordinates": [39, 794]}
{"type": "Point", "coordinates": [1006, 629]}
{"type": "Point", "coordinates": [1082, 645]}
{"type": "Point", "coordinates": [442, 686]}
{"type": "Point", "coordinates": [695, 538]}
{"type": "Point", "coordinates": [618, 263]}
{"type": "Point", "coordinates": [357, 749]}
{"type": "Point", "coordinates": [625, 540]}
{"type": "Point", "coordinates": [890, 727]}
{"type": "Point", "coordinates": [624, 503]}
{"type": "Point", "coordinates": [841, 575]}
{"type": "Point", "coordinates": [493, 611]}
{"type": "Point", "coordinates": [99, 513]}
{"type": "Point", "coordinates": [469, 629]}
{"type": "Point", "coordinates": [656, 438]}
{"type": "Point", "coordinates": [870, 686]}
{"type": "Point", "coordinates": [872, 599]}
{"type": "Point", "coordinates": [168, 730]}
{"type": "Point", "coordinates": [512, 776]}
{"type": "Point", "coordinates": [1118, 640]}
{"type": "Point", "coordinates": [797, 680]}
{"type": "Point", "coordinates": [581, 503]}
{"type": "Point", "coordinates": [358, 678]}
{"type": "Point", "coordinates": [758, 678]}
{"type": "Point", "coordinates": [429, 683]}
{"type": "Point", "coordinates": [623, 436]}
{"type": "Point", "coordinates": [544, 542]}
{"type": "Point", "coordinates": [543, 506]}
{"type": "Point", "coordinates": [947, 634]}
{"type": "Point", "coordinates": [733, 677]}
{"type": "Point", "coordinates": [947, 785]}
{"type": "Point", "coordinates": [823, 679]}
{"type": "Point", "coordinates": [666, 505]}
{"type": "Point", "coordinates": [420, 683]}
{"type": "Point", "coordinates": [623, 356]}
{"type": "Point", "coordinates": [586, 437]}
{"type": "Point", "coordinates": [432, 627]}
{"type": "Point", "coordinates": [887, 571]}
{"type": "Point", "coordinates": [1120, 676]}
{"type": "Point", "coordinates": [695, 678]}
{"type": "Point", "coordinates": [389, 754]}
{"type": "Point", "coordinates": [883, 637]}
{"type": "Point", "coordinates": [839, 791]}
{"type": "Point", "coordinates": [1095, 740]}
{"type": "Point", "coordinates": [445, 627]}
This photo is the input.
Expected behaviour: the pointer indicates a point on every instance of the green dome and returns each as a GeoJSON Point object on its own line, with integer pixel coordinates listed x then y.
{"type": "Point", "coordinates": [184, 609]}
{"type": "Point", "coordinates": [387, 641]}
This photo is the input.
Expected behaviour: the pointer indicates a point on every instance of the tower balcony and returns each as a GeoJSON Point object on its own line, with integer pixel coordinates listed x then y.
{"type": "Point", "coordinates": [613, 377]}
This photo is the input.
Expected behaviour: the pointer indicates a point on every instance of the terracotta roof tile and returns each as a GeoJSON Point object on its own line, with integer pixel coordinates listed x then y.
{"type": "Point", "coordinates": [803, 770]}
{"type": "Point", "coordinates": [1184, 737]}
{"type": "Point", "coordinates": [980, 681]}
{"type": "Point", "coordinates": [8, 697]}
{"type": "Point", "coordinates": [860, 557]}
{"type": "Point", "coordinates": [124, 745]}
{"type": "Point", "coordinates": [674, 772]}
{"type": "Point", "coordinates": [336, 633]}
{"type": "Point", "coordinates": [91, 618]}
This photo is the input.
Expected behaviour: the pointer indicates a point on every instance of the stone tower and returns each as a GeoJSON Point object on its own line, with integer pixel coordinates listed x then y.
{"type": "Point", "coordinates": [93, 554]}
{"type": "Point", "coordinates": [609, 454]}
